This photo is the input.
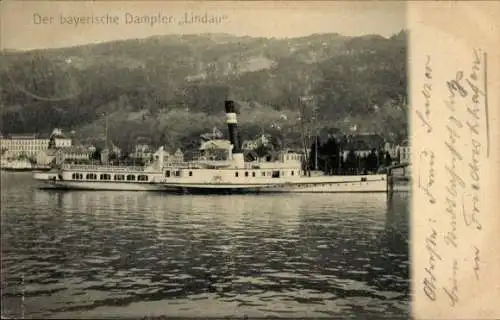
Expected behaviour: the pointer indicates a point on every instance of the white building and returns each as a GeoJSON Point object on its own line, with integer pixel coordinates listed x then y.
{"type": "Point", "coordinates": [176, 157]}
{"type": "Point", "coordinates": [404, 154]}
{"type": "Point", "coordinates": [217, 149]}
{"type": "Point", "coordinates": [29, 145]}
{"type": "Point", "coordinates": [253, 144]}
{"type": "Point", "coordinates": [142, 151]}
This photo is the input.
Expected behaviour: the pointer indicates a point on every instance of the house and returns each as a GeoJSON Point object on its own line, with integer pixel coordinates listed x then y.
{"type": "Point", "coordinates": [64, 154]}
{"type": "Point", "coordinates": [404, 152]}
{"type": "Point", "coordinates": [177, 157]}
{"type": "Point", "coordinates": [110, 152]}
{"type": "Point", "coordinates": [263, 139]}
{"type": "Point", "coordinates": [217, 149]}
{"type": "Point", "coordinates": [74, 154]}
{"type": "Point", "coordinates": [399, 152]}
{"type": "Point", "coordinates": [142, 152]}
{"type": "Point", "coordinates": [362, 144]}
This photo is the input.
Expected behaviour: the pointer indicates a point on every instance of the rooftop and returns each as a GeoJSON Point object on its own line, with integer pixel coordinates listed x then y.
{"type": "Point", "coordinates": [216, 144]}
{"type": "Point", "coordinates": [75, 149]}
{"type": "Point", "coordinates": [31, 136]}
{"type": "Point", "coordinates": [365, 141]}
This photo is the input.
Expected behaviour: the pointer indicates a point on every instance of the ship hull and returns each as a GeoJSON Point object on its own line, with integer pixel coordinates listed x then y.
{"type": "Point", "coordinates": [100, 186]}
{"type": "Point", "coordinates": [17, 169]}
{"type": "Point", "coordinates": [333, 184]}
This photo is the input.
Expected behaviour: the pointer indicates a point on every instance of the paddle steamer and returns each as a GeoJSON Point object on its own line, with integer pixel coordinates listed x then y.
{"type": "Point", "coordinates": [231, 175]}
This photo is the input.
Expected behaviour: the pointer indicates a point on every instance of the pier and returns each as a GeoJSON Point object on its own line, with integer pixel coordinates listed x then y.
{"type": "Point", "coordinates": [399, 178]}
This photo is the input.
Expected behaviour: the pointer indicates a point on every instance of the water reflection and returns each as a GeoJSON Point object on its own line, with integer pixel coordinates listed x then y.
{"type": "Point", "coordinates": [130, 254]}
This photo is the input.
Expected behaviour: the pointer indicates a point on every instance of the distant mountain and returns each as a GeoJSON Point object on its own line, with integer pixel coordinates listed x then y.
{"type": "Point", "coordinates": [166, 88]}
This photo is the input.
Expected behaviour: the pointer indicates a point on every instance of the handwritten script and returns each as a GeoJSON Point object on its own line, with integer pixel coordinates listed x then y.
{"type": "Point", "coordinates": [426, 92]}
{"type": "Point", "coordinates": [464, 147]}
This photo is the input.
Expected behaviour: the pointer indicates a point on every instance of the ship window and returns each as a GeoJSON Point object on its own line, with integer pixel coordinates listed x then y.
{"type": "Point", "coordinates": [130, 177]}
{"type": "Point", "coordinates": [263, 173]}
{"type": "Point", "coordinates": [105, 176]}
{"type": "Point", "coordinates": [178, 173]}
{"type": "Point", "coordinates": [119, 177]}
{"type": "Point", "coordinates": [167, 173]}
{"type": "Point", "coordinates": [91, 176]}
{"type": "Point", "coordinates": [253, 174]}
{"type": "Point", "coordinates": [276, 174]}
{"type": "Point", "coordinates": [236, 174]}
{"type": "Point", "coordinates": [246, 173]}
{"type": "Point", "coordinates": [190, 173]}
{"type": "Point", "coordinates": [77, 176]}
{"type": "Point", "coordinates": [142, 177]}
{"type": "Point", "coordinates": [292, 173]}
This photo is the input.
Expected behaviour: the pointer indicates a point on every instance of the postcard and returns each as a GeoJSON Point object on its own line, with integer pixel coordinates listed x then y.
{"type": "Point", "coordinates": [249, 159]}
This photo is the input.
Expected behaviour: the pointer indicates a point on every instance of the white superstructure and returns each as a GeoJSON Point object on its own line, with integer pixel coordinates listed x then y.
{"type": "Point", "coordinates": [92, 177]}
{"type": "Point", "coordinates": [283, 175]}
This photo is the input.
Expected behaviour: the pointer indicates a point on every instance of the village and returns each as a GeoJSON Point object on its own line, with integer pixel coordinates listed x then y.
{"type": "Point", "coordinates": [353, 154]}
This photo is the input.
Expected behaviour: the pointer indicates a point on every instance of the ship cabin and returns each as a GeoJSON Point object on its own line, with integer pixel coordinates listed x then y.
{"type": "Point", "coordinates": [287, 166]}
{"type": "Point", "coordinates": [91, 173]}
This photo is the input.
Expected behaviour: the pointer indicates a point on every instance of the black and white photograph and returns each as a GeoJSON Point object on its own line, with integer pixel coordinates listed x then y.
{"type": "Point", "coordinates": [205, 159]}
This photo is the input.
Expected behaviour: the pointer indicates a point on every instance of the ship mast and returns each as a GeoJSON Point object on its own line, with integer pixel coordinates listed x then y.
{"type": "Point", "coordinates": [301, 108]}
{"type": "Point", "coordinates": [314, 119]}
{"type": "Point", "coordinates": [106, 134]}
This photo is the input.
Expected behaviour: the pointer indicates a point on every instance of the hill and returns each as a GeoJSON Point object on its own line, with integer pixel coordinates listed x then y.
{"type": "Point", "coordinates": [168, 89]}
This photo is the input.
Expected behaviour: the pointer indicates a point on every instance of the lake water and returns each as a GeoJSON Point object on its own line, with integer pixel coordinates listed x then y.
{"type": "Point", "coordinates": [82, 254]}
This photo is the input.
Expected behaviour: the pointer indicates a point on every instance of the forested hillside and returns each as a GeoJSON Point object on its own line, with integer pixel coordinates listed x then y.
{"type": "Point", "coordinates": [169, 89]}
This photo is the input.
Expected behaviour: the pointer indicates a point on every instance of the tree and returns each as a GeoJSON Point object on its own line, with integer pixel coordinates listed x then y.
{"type": "Point", "coordinates": [342, 85]}
{"type": "Point", "coordinates": [96, 155]}
{"type": "Point", "coordinates": [351, 162]}
{"type": "Point", "coordinates": [113, 156]}
{"type": "Point", "coordinates": [372, 161]}
{"type": "Point", "coordinates": [387, 159]}
{"type": "Point", "coordinates": [262, 150]}
{"type": "Point", "coordinates": [330, 153]}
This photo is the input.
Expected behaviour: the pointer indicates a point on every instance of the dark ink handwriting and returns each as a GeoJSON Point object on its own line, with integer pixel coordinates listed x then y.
{"type": "Point", "coordinates": [453, 292]}
{"type": "Point", "coordinates": [455, 181]}
{"type": "Point", "coordinates": [430, 280]}
{"type": "Point", "coordinates": [486, 111]}
{"type": "Point", "coordinates": [455, 86]}
{"type": "Point", "coordinates": [474, 78]}
{"type": "Point", "coordinates": [476, 262]}
{"type": "Point", "coordinates": [471, 218]}
{"type": "Point", "coordinates": [426, 92]}
{"type": "Point", "coordinates": [426, 174]}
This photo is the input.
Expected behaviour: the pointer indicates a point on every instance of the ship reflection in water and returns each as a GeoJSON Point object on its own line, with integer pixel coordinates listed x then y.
{"type": "Point", "coordinates": [135, 254]}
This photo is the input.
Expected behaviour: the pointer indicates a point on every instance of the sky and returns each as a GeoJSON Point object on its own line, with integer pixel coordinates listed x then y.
{"type": "Point", "coordinates": [27, 25]}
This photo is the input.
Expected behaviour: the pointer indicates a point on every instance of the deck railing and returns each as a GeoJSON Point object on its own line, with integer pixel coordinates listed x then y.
{"type": "Point", "coordinates": [90, 167]}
